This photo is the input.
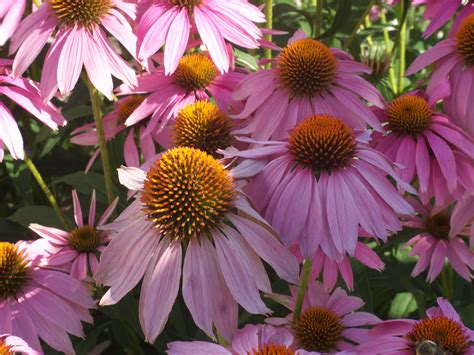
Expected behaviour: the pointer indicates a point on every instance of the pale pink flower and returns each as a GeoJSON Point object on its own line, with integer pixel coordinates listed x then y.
{"type": "Point", "coordinates": [320, 185]}
{"type": "Point", "coordinates": [441, 332]}
{"type": "Point", "coordinates": [114, 123]}
{"type": "Point", "coordinates": [170, 22]}
{"type": "Point", "coordinates": [79, 41]}
{"type": "Point", "coordinates": [24, 93]}
{"type": "Point", "coordinates": [328, 323]}
{"type": "Point", "coordinates": [453, 74]}
{"type": "Point", "coordinates": [10, 344]}
{"type": "Point", "coordinates": [426, 145]}
{"type": "Point", "coordinates": [75, 251]}
{"type": "Point", "coordinates": [11, 12]}
{"type": "Point", "coordinates": [40, 302]}
{"type": "Point", "coordinates": [252, 339]}
{"type": "Point", "coordinates": [308, 78]}
{"type": "Point", "coordinates": [196, 78]}
{"type": "Point", "coordinates": [187, 206]}
{"type": "Point", "coordinates": [442, 237]}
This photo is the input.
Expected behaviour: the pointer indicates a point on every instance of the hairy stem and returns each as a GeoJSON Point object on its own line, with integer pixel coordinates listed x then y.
{"type": "Point", "coordinates": [268, 25]}
{"type": "Point", "coordinates": [96, 103]}
{"type": "Point", "coordinates": [402, 54]}
{"type": "Point", "coordinates": [307, 264]}
{"type": "Point", "coordinates": [386, 37]}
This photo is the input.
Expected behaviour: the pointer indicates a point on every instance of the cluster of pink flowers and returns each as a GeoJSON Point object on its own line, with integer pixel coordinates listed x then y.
{"type": "Point", "coordinates": [301, 164]}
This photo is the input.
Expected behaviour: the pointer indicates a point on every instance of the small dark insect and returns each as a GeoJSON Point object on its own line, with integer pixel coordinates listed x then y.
{"type": "Point", "coordinates": [428, 347]}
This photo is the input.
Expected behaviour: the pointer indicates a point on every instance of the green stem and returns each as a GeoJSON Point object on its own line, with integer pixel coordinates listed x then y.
{"type": "Point", "coordinates": [386, 37]}
{"type": "Point", "coordinates": [307, 264]}
{"type": "Point", "coordinates": [446, 283]}
{"type": "Point", "coordinates": [402, 55]}
{"type": "Point", "coordinates": [349, 40]}
{"type": "Point", "coordinates": [49, 195]}
{"type": "Point", "coordinates": [319, 17]}
{"type": "Point", "coordinates": [269, 26]}
{"type": "Point", "coordinates": [96, 103]}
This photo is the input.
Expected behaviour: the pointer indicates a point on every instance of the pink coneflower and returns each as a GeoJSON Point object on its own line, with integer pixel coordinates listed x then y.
{"type": "Point", "coordinates": [442, 238]}
{"type": "Point", "coordinates": [10, 345]}
{"type": "Point", "coordinates": [11, 12]}
{"type": "Point", "coordinates": [320, 185]}
{"type": "Point", "coordinates": [308, 78]}
{"type": "Point", "coordinates": [332, 268]}
{"type": "Point", "coordinates": [441, 332]}
{"type": "Point", "coordinates": [170, 22]}
{"type": "Point", "coordinates": [79, 41]}
{"type": "Point", "coordinates": [75, 251]}
{"type": "Point", "coordinates": [427, 145]}
{"type": "Point", "coordinates": [188, 200]}
{"type": "Point", "coordinates": [114, 123]}
{"type": "Point", "coordinates": [24, 93]}
{"type": "Point", "coordinates": [38, 302]}
{"type": "Point", "coordinates": [453, 73]}
{"type": "Point", "coordinates": [328, 322]}
{"type": "Point", "coordinates": [196, 78]}
{"type": "Point", "coordinates": [258, 339]}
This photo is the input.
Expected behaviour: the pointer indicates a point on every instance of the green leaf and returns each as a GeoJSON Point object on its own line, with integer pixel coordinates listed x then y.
{"type": "Point", "coordinates": [36, 214]}
{"type": "Point", "coordinates": [342, 15]}
{"type": "Point", "coordinates": [85, 183]}
{"type": "Point", "coordinates": [402, 305]}
{"type": "Point", "coordinates": [246, 60]}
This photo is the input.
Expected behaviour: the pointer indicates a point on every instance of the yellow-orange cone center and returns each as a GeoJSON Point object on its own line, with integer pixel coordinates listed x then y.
{"type": "Point", "coordinates": [318, 329]}
{"type": "Point", "coordinates": [202, 125]}
{"type": "Point", "coordinates": [13, 271]}
{"type": "Point", "coordinates": [306, 68]}
{"type": "Point", "coordinates": [441, 334]}
{"type": "Point", "coordinates": [187, 193]}
{"type": "Point", "coordinates": [84, 13]}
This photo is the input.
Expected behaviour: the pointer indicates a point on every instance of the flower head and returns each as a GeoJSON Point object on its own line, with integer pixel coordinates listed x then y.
{"type": "Point", "coordinates": [114, 124]}
{"type": "Point", "coordinates": [308, 78]}
{"type": "Point", "coordinates": [187, 202]}
{"type": "Point", "coordinates": [317, 187]}
{"type": "Point", "coordinates": [328, 322]}
{"type": "Point", "coordinates": [196, 78]}
{"type": "Point", "coordinates": [75, 251]}
{"type": "Point", "coordinates": [427, 145]}
{"type": "Point", "coordinates": [442, 331]}
{"type": "Point", "coordinates": [442, 238]}
{"type": "Point", "coordinates": [79, 40]}
{"type": "Point", "coordinates": [252, 339]}
{"type": "Point", "coordinates": [202, 125]}
{"type": "Point", "coordinates": [453, 69]}
{"type": "Point", "coordinates": [39, 302]}
{"type": "Point", "coordinates": [25, 94]}
{"type": "Point", "coordinates": [170, 22]}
